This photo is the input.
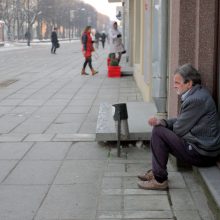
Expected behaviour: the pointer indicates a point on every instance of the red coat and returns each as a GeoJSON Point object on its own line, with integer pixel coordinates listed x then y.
{"type": "Point", "coordinates": [87, 44]}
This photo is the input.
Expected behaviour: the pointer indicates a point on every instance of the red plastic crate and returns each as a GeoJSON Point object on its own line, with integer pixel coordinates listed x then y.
{"type": "Point", "coordinates": [114, 71]}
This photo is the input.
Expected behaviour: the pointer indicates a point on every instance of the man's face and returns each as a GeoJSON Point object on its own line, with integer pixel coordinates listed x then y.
{"type": "Point", "coordinates": [179, 85]}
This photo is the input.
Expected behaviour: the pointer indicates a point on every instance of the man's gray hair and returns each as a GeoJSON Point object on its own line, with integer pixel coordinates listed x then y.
{"type": "Point", "coordinates": [188, 72]}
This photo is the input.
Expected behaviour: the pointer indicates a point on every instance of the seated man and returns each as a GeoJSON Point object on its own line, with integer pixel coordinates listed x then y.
{"type": "Point", "coordinates": [193, 137]}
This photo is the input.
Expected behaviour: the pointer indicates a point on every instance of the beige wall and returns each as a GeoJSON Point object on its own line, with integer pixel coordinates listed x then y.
{"type": "Point", "coordinates": [139, 39]}
{"type": "Point", "coordinates": [192, 38]}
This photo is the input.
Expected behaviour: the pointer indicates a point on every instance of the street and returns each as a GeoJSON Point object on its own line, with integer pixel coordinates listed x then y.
{"type": "Point", "coordinates": [51, 167]}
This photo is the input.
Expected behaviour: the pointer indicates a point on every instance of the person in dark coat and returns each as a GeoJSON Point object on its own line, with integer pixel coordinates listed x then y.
{"type": "Point", "coordinates": [192, 137]}
{"type": "Point", "coordinates": [54, 41]}
{"type": "Point", "coordinates": [103, 38]}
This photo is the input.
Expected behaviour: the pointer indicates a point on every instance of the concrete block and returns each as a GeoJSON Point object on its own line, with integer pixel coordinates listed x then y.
{"type": "Point", "coordinates": [138, 114]}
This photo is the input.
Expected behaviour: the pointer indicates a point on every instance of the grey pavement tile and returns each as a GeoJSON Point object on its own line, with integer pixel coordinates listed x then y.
{"type": "Point", "coordinates": [49, 109]}
{"type": "Point", "coordinates": [132, 98]}
{"type": "Point", "coordinates": [94, 111]}
{"type": "Point", "coordinates": [48, 151]}
{"type": "Point", "coordinates": [198, 195]}
{"type": "Point", "coordinates": [111, 191]}
{"type": "Point", "coordinates": [88, 128]}
{"type": "Point", "coordinates": [11, 102]}
{"type": "Point", "coordinates": [81, 102]}
{"type": "Point", "coordinates": [107, 96]}
{"type": "Point", "coordinates": [42, 117]}
{"type": "Point", "coordinates": [57, 102]}
{"type": "Point", "coordinates": [91, 118]}
{"type": "Point", "coordinates": [176, 180]}
{"type": "Point", "coordinates": [13, 118]}
{"type": "Point", "coordinates": [33, 172]}
{"type": "Point", "coordinates": [33, 102]}
{"type": "Point", "coordinates": [128, 90]}
{"type": "Point", "coordinates": [68, 118]}
{"type": "Point", "coordinates": [130, 182]}
{"type": "Point", "coordinates": [19, 95]}
{"type": "Point", "coordinates": [137, 214]}
{"type": "Point", "coordinates": [111, 183]}
{"type": "Point", "coordinates": [5, 109]}
{"type": "Point", "coordinates": [24, 110]}
{"type": "Point", "coordinates": [13, 151]}
{"type": "Point", "coordinates": [115, 168]}
{"type": "Point", "coordinates": [142, 192]}
{"type": "Point", "coordinates": [83, 109]}
{"type": "Point", "coordinates": [187, 215]}
{"type": "Point", "coordinates": [91, 171]}
{"type": "Point", "coordinates": [75, 137]}
{"type": "Point", "coordinates": [39, 137]}
{"type": "Point", "coordinates": [63, 96]}
{"type": "Point", "coordinates": [181, 199]}
{"type": "Point", "coordinates": [77, 201]}
{"type": "Point", "coordinates": [109, 218]}
{"type": "Point", "coordinates": [110, 203]}
{"type": "Point", "coordinates": [66, 128]}
{"type": "Point", "coordinates": [8, 123]}
{"type": "Point", "coordinates": [123, 191]}
{"type": "Point", "coordinates": [85, 95]}
{"type": "Point", "coordinates": [120, 174]}
{"type": "Point", "coordinates": [147, 202]}
{"type": "Point", "coordinates": [6, 167]}
{"type": "Point", "coordinates": [138, 167]}
{"type": "Point", "coordinates": [87, 151]}
{"type": "Point", "coordinates": [20, 202]}
{"type": "Point", "coordinates": [104, 99]}
{"type": "Point", "coordinates": [31, 127]}
{"type": "Point", "coordinates": [12, 137]}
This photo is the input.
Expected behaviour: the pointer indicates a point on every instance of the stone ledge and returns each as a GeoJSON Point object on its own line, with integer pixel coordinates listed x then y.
{"type": "Point", "coordinates": [210, 178]}
{"type": "Point", "coordinates": [138, 115]}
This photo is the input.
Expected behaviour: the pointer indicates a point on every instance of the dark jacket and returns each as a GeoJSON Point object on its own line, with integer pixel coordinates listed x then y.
{"type": "Point", "coordinates": [54, 38]}
{"type": "Point", "coordinates": [197, 122]}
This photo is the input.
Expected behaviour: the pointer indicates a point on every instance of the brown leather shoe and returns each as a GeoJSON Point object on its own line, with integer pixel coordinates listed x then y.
{"type": "Point", "coordinates": [153, 185]}
{"type": "Point", "coordinates": [146, 176]}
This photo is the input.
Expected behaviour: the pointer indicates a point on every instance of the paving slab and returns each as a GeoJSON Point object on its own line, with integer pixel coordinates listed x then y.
{"type": "Point", "coordinates": [75, 137]}
{"type": "Point", "coordinates": [135, 215]}
{"type": "Point", "coordinates": [20, 201]}
{"type": "Point", "coordinates": [33, 173]}
{"type": "Point", "coordinates": [70, 202]}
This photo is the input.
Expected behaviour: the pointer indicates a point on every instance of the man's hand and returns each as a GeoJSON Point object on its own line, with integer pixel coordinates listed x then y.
{"type": "Point", "coordinates": [153, 121]}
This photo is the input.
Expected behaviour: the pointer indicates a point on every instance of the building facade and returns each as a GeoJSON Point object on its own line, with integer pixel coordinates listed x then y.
{"type": "Point", "coordinates": [164, 34]}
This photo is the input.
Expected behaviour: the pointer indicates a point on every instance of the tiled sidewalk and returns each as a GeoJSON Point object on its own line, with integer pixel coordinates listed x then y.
{"type": "Point", "coordinates": [51, 167]}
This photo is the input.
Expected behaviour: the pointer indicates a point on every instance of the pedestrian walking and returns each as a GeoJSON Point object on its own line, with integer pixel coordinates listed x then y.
{"type": "Point", "coordinates": [115, 41]}
{"type": "Point", "coordinates": [103, 38]}
{"type": "Point", "coordinates": [54, 41]}
{"type": "Point", "coordinates": [97, 38]}
{"type": "Point", "coordinates": [87, 49]}
{"type": "Point", "coordinates": [192, 137]}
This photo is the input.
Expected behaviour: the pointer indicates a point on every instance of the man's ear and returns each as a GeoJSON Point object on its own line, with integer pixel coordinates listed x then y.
{"type": "Point", "coordinates": [190, 85]}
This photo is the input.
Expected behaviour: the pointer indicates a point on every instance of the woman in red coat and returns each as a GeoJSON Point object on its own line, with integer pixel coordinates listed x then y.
{"type": "Point", "coordinates": [87, 50]}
